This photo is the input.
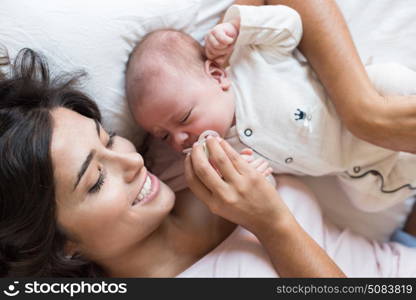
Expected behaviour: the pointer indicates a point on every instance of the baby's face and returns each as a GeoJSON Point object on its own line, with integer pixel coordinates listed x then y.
{"type": "Point", "coordinates": [179, 110]}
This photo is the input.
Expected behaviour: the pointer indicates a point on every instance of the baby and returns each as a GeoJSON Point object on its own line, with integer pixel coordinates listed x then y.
{"type": "Point", "coordinates": [269, 100]}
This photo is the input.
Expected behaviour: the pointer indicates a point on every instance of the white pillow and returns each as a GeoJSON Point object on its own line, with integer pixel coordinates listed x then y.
{"type": "Point", "coordinates": [96, 36]}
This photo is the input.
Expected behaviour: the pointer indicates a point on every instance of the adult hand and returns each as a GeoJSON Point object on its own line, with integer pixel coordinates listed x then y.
{"type": "Point", "coordinates": [237, 192]}
{"type": "Point", "coordinates": [241, 195]}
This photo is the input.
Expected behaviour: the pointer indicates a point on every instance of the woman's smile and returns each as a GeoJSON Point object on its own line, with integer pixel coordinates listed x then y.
{"type": "Point", "coordinates": [149, 189]}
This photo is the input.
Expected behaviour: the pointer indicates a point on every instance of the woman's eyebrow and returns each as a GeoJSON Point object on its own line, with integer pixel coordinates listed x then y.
{"type": "Point", "coordinates": [84, 167]}
{"type": "Point", "coordinates": [87, 160]}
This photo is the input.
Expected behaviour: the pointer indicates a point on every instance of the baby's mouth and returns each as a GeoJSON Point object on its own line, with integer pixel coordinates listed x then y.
{"type": "Point", "coordinates": [201, 140]}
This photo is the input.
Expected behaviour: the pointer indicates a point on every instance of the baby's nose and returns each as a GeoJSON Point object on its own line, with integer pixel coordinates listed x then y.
{"type": "Point", "coordinates": [181, 139]}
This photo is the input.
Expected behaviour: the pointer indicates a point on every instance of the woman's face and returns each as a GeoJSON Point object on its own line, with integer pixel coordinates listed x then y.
{"type": "Point", "coordinates": [106, 199]}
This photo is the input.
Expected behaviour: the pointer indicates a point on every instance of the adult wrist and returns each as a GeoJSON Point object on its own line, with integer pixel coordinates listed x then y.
{"type": "Point", "coordinates": [278, 228]}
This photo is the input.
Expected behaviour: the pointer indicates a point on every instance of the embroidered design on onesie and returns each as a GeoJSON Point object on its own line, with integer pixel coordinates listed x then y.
{"type": "Point", "coordinates": [306, 117]}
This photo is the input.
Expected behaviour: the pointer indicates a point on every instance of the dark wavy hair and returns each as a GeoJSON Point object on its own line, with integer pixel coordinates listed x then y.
{"type": "Point", "coordinates": [31, 242]}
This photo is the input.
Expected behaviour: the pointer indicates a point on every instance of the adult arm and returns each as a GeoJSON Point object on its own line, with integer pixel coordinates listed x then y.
{"type": "Point", "coordinates": [244, 198]}
{"type": "Point", "coordinates": [389, 122]}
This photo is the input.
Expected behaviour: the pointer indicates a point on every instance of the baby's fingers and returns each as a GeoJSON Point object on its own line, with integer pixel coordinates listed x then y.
{"type": "Point", "coordinates": [248, 158]}
{"type": "Point", "coordinates": [257, 162]}
{"type": "Point", "coordinates": [211, 41]}
{"type": "Point", "coordinates": [262, 167]}
{"type": "Point", "coordinates": [222, 61]}
{"type": "Point", "coordinates": [268, 172]}
{"type": "Point", "coordinates": [220, 52]}
{"type": "Point", "coordinates": [222, 38]}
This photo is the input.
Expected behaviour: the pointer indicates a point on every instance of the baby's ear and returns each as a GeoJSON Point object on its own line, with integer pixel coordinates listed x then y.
{"type": "Point", "coordinates": [217, 73]}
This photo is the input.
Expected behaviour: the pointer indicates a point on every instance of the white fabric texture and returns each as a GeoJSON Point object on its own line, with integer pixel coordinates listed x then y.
{"type": "Point", "coordinates": [241, 254]}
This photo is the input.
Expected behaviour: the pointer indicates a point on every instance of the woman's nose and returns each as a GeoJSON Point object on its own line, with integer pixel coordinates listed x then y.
{"type": "Point", "coordinates": [130, 164]}
{"type": "Point", "coordinates": [180, 139]}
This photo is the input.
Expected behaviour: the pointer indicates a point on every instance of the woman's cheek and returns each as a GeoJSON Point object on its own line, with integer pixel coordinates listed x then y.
{"type": "Point", "coordinates": [114, 198]}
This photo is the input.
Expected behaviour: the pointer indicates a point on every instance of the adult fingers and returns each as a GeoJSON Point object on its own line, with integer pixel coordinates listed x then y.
{"type": "Point", "coordinates": [194, 183]}
{"type": "Point", "coordinates": [205, 172]}
{"type": "Point", "coordinates": [240, 165]}
{"type": "Point", "coordinates": [221, 161]}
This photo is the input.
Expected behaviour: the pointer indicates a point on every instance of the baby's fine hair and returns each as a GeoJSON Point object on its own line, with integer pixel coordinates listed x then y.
{"type": "Point", "coordinates": [159, 52]}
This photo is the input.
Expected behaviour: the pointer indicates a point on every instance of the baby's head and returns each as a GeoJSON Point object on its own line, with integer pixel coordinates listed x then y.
{"type": "Point", "coordinates": [174, 92]}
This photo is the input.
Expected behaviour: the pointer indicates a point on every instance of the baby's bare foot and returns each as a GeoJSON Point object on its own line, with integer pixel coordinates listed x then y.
{"type": "Point", "coordinates": [410, 226]}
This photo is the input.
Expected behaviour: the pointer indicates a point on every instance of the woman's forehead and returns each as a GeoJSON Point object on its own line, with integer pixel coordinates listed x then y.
{"type": "Point", "coordinates": [72, 139]}
{"type": "Point", "coordinates": [70, 128]}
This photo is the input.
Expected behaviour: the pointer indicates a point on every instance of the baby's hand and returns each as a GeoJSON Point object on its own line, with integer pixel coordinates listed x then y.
{"type": "Point", "coordinates": [259, 164]}
{"type": "Point", "coordinates": [219, 42]}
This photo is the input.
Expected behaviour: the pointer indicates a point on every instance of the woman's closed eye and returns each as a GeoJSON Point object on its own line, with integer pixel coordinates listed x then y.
{"type": "Point", "coordinates": [101, 177]}
{"type": "Point", "coordinates": [97, 186]}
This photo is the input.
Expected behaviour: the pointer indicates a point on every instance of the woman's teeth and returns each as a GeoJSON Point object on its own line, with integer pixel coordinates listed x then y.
{"type": "Point", "coordinates": [145, 191]}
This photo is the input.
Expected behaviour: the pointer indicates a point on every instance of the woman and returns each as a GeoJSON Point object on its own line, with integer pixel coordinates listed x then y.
{"type": "Point", "coordinates": [78, 201]}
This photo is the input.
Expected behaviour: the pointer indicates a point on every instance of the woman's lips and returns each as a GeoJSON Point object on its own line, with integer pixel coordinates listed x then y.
{"type": "Point", "coordinates": [148, 191]}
